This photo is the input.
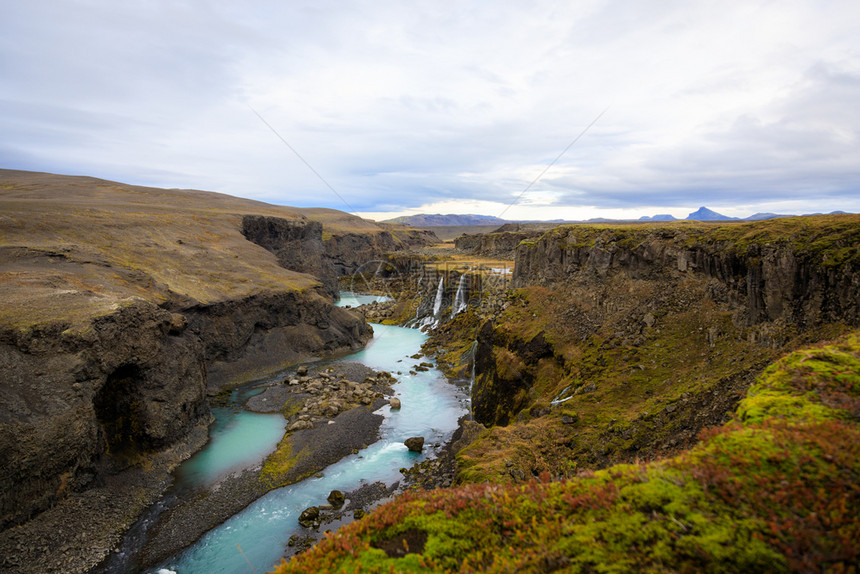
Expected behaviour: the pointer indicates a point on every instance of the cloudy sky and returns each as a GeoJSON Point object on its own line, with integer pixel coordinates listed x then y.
{"type": "Point", "coordinates": [445, 107]}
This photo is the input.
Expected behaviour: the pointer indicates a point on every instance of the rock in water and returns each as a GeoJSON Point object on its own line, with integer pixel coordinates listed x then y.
{"type": "Point", "coordinates": [336, 498]}
{"type": "Point", "coordinates": [302, 371]}
{"type": "Point", "coordinates": [395, 403]}
{"type": "Point", "coordinates": [415, 443]}
{"type": "Point", "coordinates": [309, 517]}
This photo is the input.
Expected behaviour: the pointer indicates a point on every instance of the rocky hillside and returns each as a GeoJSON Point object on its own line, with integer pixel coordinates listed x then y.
{"type": "Point", "coordinates": [625, 341]}
{"type": "Point", "coordinates": [802, 270]}
{"type": "Point", "coordinates": [123, 305]}
{"type": "Point", "coordinates": [499, 244]}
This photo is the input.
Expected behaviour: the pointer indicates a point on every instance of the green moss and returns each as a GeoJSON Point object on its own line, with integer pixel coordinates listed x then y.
{"type": "Point", "coordinates": [277, 467]}
{"type": "Point", "coordinates": [807, 385]}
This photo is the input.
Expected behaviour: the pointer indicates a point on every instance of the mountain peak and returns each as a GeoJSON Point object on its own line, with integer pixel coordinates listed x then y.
{"type": "Point", "coordinates": [658, 217]}
{"type": "Point", "coordinates": [705, 214]}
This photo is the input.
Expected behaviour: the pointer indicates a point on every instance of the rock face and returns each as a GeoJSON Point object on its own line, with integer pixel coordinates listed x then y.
{"type": "Point", "coordinates": [244, 339]}
{"type": "Point", "coordinates": [801, 275]}
{"type": "Point", "coordinates": [347, 253]}
{"type": "Point", "coordinates": [503, 384]}
{"type": "Point", "coordinates": [298, 245]}
{"type": "Point", "coordinates": [501, 244]}
{"type": "Point", "coordinates": [81, 404]}
{"type": "Point", "coordinates": [734, 286]}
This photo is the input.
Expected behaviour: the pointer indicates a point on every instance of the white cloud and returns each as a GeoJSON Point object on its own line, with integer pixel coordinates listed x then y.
{"type": "Point", "coordinates": [402, 105]}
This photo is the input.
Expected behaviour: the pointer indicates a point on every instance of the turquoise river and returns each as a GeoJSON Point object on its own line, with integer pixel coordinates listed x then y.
{"type": "Point", "coordinates": [431, 408]}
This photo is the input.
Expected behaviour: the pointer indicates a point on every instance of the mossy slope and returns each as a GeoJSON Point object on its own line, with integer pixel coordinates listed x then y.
{"type": "Point", "coordinates": [776, 489]}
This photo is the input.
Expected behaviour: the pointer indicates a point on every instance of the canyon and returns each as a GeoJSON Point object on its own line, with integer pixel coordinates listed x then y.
{"type": "Point", "coordinates": [609, 367]}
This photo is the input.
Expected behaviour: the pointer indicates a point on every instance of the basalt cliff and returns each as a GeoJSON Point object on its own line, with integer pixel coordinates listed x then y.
{"type": "Point", "coordinates": [624, 341]}
{"type": "Point", "coordinates": [124, 307]}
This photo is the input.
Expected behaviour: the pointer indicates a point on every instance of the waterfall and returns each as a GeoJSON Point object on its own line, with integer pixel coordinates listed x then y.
{"type": "Point", "coordinates": [459, 304]}
{"type": "Point", "coordinates": [558, 398]}
{"type": "Point", "coordinates": [440, 292]}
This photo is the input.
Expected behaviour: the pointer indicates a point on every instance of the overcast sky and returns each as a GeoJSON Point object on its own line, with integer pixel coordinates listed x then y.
{"type": "Point", "coordinates": [445, 107]}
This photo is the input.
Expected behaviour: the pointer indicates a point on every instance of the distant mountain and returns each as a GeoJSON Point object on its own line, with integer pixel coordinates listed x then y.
{"type": "Point", "coordinates": [436, 220]}
{"type": "Point", "coordinates": [659, 217]}
{"type": "Point", "coordinates": [454, 220]}
{"type": "Point", "coordinates": [705, 214]}
{"type": "Point", "coordinates": [761, 216]}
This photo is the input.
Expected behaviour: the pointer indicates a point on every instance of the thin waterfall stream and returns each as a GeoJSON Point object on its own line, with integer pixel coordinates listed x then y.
{"type": "Point", "coordinates": [431, 407]}
{"type": "Point", "coordinates": [459, 303]}
{"type": "Point", "coordinates": [440, 292]}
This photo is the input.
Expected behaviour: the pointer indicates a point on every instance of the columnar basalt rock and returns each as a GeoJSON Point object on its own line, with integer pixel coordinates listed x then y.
{"type": "Point", "coordinates": [791, 276]}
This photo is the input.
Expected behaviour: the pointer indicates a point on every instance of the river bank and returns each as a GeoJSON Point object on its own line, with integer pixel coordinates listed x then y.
{"type": "Point", "coordinates": [76, 534]}
{"type": "Point", "coordinates": [196, 502]}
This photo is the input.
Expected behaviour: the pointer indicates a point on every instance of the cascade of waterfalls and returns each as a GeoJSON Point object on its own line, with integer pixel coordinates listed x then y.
{"type": "Point", "coordinates": [459, 304]}
{"type": "Point", "coordinates": [440, 292]}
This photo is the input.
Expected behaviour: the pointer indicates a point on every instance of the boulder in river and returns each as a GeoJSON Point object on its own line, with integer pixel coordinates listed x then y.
{"type": "Point", "coordinates": [310, 517]}
{"type": "Point", "coordinates": [336, 498]}
{"type": "Point", "coordinates": [415, 443]}
{"type": "Point", "coordinates": [395, 403]}
{"type": "Point", "coordinates": [302, 371]}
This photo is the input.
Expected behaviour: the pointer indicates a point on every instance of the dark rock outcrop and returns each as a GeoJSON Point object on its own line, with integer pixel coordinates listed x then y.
{"type": "Point", "coordinates": [78, 405]}
{"type": "Point", "coordinates": [501, 384]}
{"type": "Point", "coordinates": [297, 244]}
{"type": "Point", "coordinates": [806, 279]}
{"type": "Point", "coordinates": [500, 244]}
{"type": "Point", "coordinates": [349, 253]}
{"type": "Point", "coordinates": [247, 339]}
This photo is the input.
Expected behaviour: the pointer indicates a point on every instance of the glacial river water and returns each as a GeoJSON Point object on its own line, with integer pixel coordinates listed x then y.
{"type": "Point", "coordinates": [431, 407]}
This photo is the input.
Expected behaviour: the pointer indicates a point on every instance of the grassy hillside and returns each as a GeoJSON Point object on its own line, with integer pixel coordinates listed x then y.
{"type": "Point", "coordinates": [775, 489]}
{"type": "Point", "coordinates": [75, 247]}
